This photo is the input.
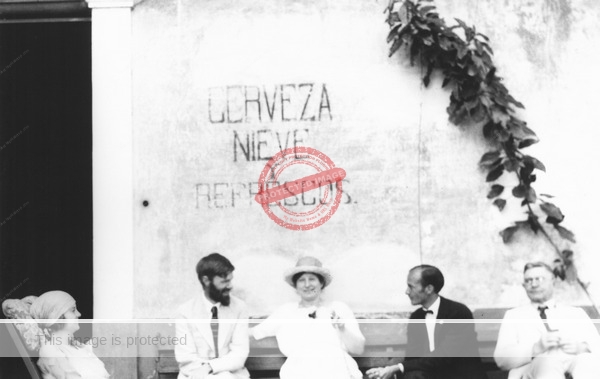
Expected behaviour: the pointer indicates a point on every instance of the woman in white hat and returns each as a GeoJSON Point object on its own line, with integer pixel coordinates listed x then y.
{"type": "Point", "coordinates": [315, 336]}
{"type": "Point", "coordinates": [61, 356]}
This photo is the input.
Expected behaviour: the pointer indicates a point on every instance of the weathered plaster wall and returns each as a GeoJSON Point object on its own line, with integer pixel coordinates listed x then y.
{"type": "Point", "coordinates": [414, 192]}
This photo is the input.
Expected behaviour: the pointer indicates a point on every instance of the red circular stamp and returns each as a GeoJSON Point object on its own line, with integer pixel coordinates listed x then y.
{"type": "Point", "coordinates": [300, 188]}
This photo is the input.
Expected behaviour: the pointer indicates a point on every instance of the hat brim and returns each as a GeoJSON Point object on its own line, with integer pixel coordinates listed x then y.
{"type": "Point", "coordinates": [325, 273]}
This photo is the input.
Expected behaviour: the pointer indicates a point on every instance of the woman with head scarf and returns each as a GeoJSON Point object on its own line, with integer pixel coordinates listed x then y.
{"type": "Point", "coordinates": [61, 356]}
{"type": "Point", "coordinates": [315, 335]}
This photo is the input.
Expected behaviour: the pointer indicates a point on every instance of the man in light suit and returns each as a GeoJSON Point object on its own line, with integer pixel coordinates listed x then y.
{"type": "Point", "coordinates": [435, 349]}
{"type": "Point", "coordinates": [213, 349]}
{"type": "Point", "coordinates": [546, 340]}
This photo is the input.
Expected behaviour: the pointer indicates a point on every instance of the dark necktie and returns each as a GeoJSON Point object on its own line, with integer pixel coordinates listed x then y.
{"type": "Point", "coordinates": [542, 310]}
{"type": "Point", "coordinates": [214, 326]}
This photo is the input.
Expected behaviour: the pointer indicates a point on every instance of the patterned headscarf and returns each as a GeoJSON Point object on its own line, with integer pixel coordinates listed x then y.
{"type": "Point", "coordinates": [51, 305]}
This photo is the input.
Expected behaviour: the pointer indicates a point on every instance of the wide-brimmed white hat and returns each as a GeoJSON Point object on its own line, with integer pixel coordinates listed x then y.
{"type": "Point", "coordinates": [311, 265]}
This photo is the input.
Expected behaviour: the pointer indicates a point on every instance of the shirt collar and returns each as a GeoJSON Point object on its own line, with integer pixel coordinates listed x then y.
{"type": "Point", "coordinates": [435, 307]}
{"type": "Point", "coordinates": [550, 304]}
{"type": "Point", "coordinates": [209, 305]}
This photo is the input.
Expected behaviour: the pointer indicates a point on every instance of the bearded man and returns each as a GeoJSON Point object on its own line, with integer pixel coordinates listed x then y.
{"type": "Point", "coordinates": [213, 349]}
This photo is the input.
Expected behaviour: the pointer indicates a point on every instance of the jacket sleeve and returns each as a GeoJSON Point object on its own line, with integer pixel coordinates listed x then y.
{"type": "Point", "coordinates": [587, 331]}
{"type": "Point", "coordinates": [511, 352]}
{"type": "Point", "coordinates": [239, 347]}
{"type": "Point", "coordinates": [186, 354]}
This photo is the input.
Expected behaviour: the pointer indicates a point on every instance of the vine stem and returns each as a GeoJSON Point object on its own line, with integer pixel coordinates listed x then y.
{"type": "Point", "coordinates": [557, 249]}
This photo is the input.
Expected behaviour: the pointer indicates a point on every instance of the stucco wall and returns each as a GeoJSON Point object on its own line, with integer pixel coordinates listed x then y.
{"type": "Point", "coordinates": [413, 191]}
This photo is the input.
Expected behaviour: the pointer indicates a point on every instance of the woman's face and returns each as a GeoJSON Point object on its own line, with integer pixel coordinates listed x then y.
{"type": "Point", "coordinates": [70, 324]}
{"type": "Point", "coordinates": [309, 287]}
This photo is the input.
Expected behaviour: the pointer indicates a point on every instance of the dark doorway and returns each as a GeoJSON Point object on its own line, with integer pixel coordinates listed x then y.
{"type": "Point", "coordinates": [45, 164]}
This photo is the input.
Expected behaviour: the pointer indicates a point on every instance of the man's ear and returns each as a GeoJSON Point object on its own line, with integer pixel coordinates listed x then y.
{"type": "Point", "coordinates": [205, 281]}
{"type": "Point", "coordinates": [429, 289]}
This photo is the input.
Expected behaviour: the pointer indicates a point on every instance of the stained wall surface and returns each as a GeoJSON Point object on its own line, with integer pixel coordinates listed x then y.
{"type": "Point", "coordinates": [220, 87]}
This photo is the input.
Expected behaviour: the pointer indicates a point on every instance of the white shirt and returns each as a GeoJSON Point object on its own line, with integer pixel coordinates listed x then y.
{"type": "Point", "coordinates": [522, 327]}
{"type": "Point", "coordinates": [430, 322]}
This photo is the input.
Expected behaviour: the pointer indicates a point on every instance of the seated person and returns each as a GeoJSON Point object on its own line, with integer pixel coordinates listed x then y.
{"type": "Point", "coordinates": [313, 334]}
{"type": "Point", "coordinates": [557, 340]}
{"type": "Point", "coordinates": [435, 349]}
{"type": "Point", "coordinates": [61, 356]}
{"type": "Point", "coordinates": [216, 349]}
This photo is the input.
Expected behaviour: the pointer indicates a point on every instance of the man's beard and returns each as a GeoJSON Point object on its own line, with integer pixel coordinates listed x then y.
{"type": "Point", "coordinates": [220, 296]}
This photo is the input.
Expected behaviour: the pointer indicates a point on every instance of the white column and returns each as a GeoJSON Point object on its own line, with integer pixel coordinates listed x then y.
{"type": "Point", "coordinates": [112, 158]}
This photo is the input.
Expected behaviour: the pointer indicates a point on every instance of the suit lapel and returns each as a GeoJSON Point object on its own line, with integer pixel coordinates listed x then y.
{"type": "Point", "coordinates": [442, 314]}
{"type": "Point", "coordinates": [225, 328]}
{"type": "Point", "coordinates": [203, 328]}
{"type": "Point", "coordinates": [420, 346]}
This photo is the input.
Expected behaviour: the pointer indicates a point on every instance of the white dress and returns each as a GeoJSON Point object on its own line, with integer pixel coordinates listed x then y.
{"type": "Point", "coordinates": [312, 345]}
{"type": "Point", "coordinates": [65, 362]}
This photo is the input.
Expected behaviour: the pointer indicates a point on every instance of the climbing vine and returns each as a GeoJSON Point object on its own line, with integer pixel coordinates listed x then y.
{"type": "Point", "coordinates": [479, 99]}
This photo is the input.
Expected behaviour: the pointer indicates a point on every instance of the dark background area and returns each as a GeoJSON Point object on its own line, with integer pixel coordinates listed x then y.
{"type": "Point", "coordinates": [45, 166]}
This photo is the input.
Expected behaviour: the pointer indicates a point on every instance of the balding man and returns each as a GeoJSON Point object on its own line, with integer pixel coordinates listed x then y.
{"type": "Point", "coordinates": [435, 349]}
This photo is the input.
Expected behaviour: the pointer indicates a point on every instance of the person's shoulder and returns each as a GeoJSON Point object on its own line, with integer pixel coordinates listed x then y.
{"type": "Point", "coordinates": [518, 312]}
{"type": "Point", "coordinates": [573, 311]}
{"type": "Point", "coordinates": [455, 306]}
{"type": "Point", "coordinates": [237, 303]}
{"type": "Point", "coordinates": [51, 351]}
{"type": "Point", "coordinates": [339, 306]}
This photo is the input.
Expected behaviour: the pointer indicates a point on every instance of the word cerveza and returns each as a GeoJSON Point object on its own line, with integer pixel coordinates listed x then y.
{"type": "Point", "coordinates": [279, 103]}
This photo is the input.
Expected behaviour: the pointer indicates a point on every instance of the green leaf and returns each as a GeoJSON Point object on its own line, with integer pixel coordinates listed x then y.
{"type": "Point", "coordinates": [479, 114]}
{"type": "Point", "coordinates": [534, 162]}
{"type": "Point", "coordinates": [500, 117]}
{"type": "Point", "coordinates": [567, 257]}
{"type": "Point", "coordinates": [559, 269]}
{"type": "Point", "coordinates": [508, 233]}
{"type": "Point", "coordinates": [500, 203]}
{"type": "Point", "coordinates": [512, 164]}
{"type": "Point", "coordinates": [533, 223]}
{"type": "Point", "coordinates": [494, 174]}
{"type": "Point", "coordinates": [528, 142]}
{"type": "Point", "coordinates": [393, 31]}
{"type": "Point", "coordinates": [495, 191]}
{"type": "Point", "coordinates": [519, 191]}
{"type": "Point", "coordinates": [395, 46]}
{"type": "Point", "coordinates": [489, 158]}
{"type": "Point", "coordinates": [555, 216]}
{"type": "Point", "coordinates": [426, 9]}
{"type": "Point", "coordinates": [565, 233]}
{"type": "Point", "coordinates": [461, 23]}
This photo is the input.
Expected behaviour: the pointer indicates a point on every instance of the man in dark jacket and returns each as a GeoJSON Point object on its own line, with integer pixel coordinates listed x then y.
{"type": "Point", "coordinates": [436, 349]}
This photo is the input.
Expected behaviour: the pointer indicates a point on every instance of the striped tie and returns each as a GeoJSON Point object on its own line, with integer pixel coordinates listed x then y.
{"type": "Point", "coordinates": [214, 326]}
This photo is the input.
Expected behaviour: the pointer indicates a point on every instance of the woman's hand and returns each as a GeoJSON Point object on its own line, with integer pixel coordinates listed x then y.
{"type": "Point", "coordinates": [337, 322]}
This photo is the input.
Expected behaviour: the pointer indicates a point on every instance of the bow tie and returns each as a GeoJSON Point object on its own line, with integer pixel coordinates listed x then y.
{"type": "Point", "coordinates": [427, 311]}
